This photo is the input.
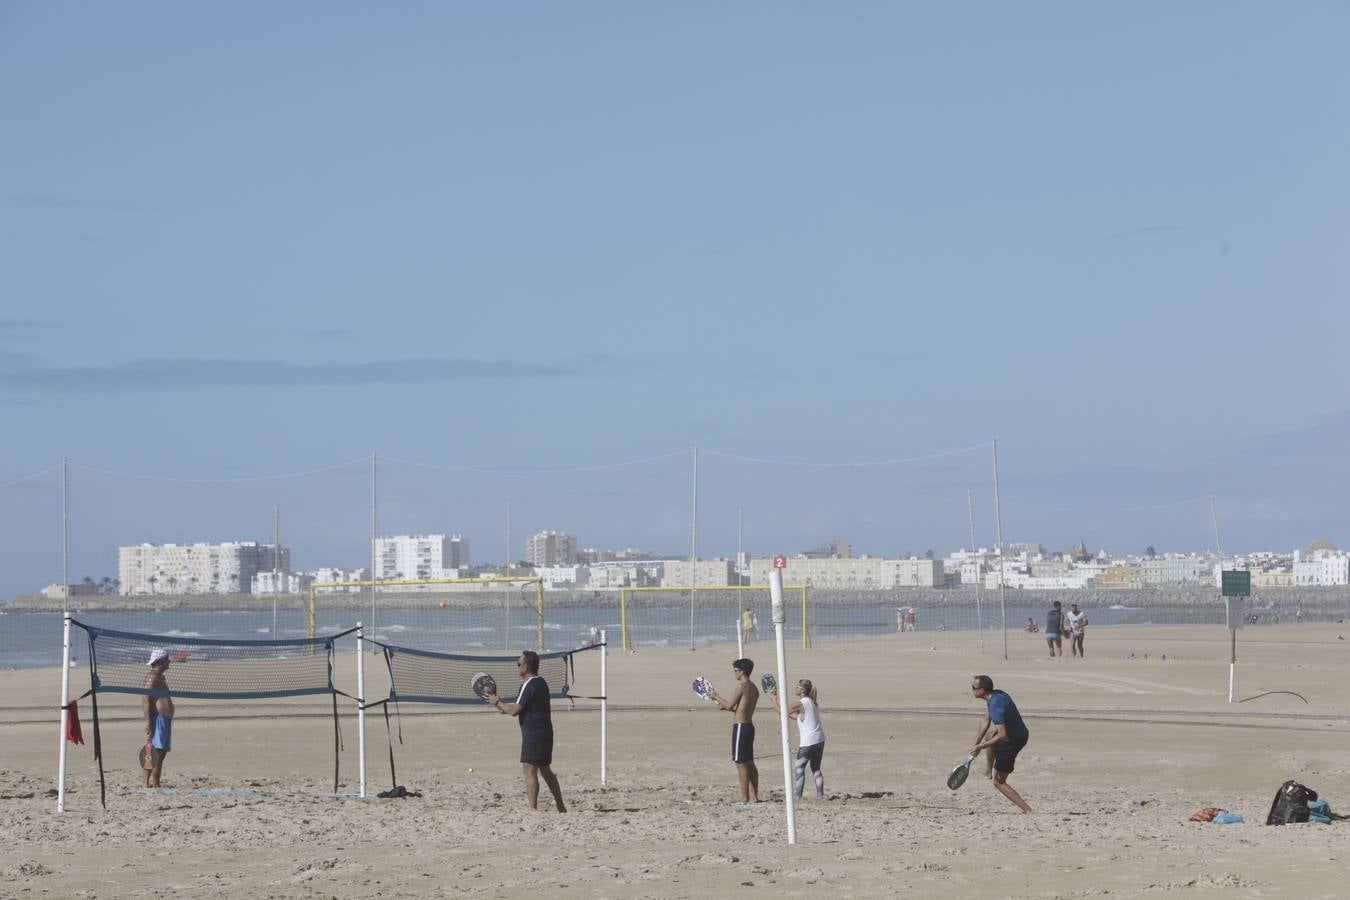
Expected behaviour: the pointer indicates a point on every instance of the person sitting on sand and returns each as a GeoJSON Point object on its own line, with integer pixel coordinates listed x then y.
{"type": "Point", "coordinates": [742, 706]}
{"type": "Point", "coordinates": [1032, 627]}
{"type": "Point", "coordinates": [810, 734]}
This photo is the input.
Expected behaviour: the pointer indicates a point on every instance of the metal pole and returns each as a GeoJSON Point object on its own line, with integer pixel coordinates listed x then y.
{"type": "Point", "coordinates": [979, 574]}
{"type": "Point", "coordinates": [779, 616]}
{"type": "Point", "coordinates": [374, 538]}
{"type": "Point", "coordinates": [740, 637]}
{"type": "Point", "coordinates": [998, 520]}
{"type": "Point", "coordinates": [361, 703]}
{"type": "Point", "coordinates": [693, 553]}
{"type": "Point", "coordinates": [740, 546]}
{"type": "Point", "coordinates": [604, 705]}
{"type": "Point", "coordinates": [65, 534]}
{"type": "Point", "coordinates": [508, 538]}
{"type": "Point", "coordinates": [1218, 545]}
{"type": "Point", "coordinates": [65, 719]}
{"type": "Point", "coordinates": [276, 571]}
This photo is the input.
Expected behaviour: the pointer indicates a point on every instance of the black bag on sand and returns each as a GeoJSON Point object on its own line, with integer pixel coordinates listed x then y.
{"type": "Point", "coordinates": [1291, 804]}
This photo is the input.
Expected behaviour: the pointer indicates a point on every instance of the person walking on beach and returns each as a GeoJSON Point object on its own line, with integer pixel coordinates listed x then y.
{"type": "Point", "coordinates": [810, 734]}
{"type": "Point", "coordinates": [1054, 628]}
{"type": "Point", "coordinates": [742, 707]}
{"type": "Point", "coordinates": [1010, 736]}
{"type": "Point", "coordinates": [1077, 623]}
{"type": "Point", "coordinates": [747, 624]}
{"type": "Point", "coordinates": [157, 709]}
{"type": "Point", "coordinates": [536, 729]}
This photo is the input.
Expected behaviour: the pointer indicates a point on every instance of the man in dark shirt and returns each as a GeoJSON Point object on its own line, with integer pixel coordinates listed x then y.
{"type": "Point", "coordinates": [1054, 629]}
{"type": "Point", "coordinates": [536, 729]}
{"type": "Point", "coordinates": [1010, 736]}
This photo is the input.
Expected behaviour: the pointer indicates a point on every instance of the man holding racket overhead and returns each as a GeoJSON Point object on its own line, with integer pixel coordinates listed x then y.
{"type": "Point", "coordinates": [536, 729]}
{"type": "Point", "coordinates": [1010, 736]}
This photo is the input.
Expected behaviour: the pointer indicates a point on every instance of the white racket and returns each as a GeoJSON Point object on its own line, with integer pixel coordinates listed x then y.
{"type": "Point", "coordinates": [702, 687]}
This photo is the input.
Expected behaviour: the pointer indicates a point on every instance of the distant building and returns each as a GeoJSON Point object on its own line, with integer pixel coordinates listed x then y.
{"type": "Point", "coordinates": [420, 557]}
{"type": "Point", "coordinates": [65, 592]}
{"type": "Point", "coordinates": [704, 573]}
{"type": "Point", "coordinates": [563, 577]}
{"type": "Point", "coordinates": [332, 575]}
{"type": "Point", "coordinates": [196, 568]}
{"type": "Point", "coordinates": [551, 548]}
{"type": "Point", "coordinates": [281, 583]}
{"type": "Point", "coordinates": [864, 573]}
{"type": "Point", "coordinates": [836, 549]}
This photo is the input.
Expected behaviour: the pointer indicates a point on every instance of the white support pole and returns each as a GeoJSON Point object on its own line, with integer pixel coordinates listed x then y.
{"type": "Point", "coordinates": [979, 573]}
{"type": "Point", "coordinates": [998, 521]}
{"type": "Point", "coordinates": [779, 616]}
{"type": "Point", "coordinates": [361, 704]}
{"type": "Point", "coordinates": [604, 706]}
{"type": "Point", "coordinates": [1218, 545]}
{"type": "Point", "coordinates": [65, 720]}
{"type": "Point", "coordinates": [693, 553]}
{"type": "Point", "coordinates": [740, 638]}
{"type": "Point", "coordinates": [374, 540]}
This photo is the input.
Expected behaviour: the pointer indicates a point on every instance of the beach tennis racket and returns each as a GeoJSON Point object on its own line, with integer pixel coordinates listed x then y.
{"type": "Point", "coordinates": [483, 684]}
{"type": "Point", "coordinates": [769, 684]}
{"type": "Point", "coordinates": [702, 687]}
{"type": "Point", "coordinates": [143, 757]}
{"type": "Point", "coordinates": [959, 774]}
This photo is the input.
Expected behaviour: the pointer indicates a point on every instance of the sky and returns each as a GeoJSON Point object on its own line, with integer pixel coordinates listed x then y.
{"type": "Point", "coordinates": [538, 253]}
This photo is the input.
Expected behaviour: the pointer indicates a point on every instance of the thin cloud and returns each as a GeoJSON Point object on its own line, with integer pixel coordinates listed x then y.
{"type": "Point", "coordinates": [206, 374]}
{"type": "Point", "coordinates": [18, 326]}
{"type": "Point", "coordinates": [331, 334]}
{"type": "Point", "coordinates": [1143, 231]}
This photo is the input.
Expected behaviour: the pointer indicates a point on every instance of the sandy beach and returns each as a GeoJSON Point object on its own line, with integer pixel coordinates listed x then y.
{"type": "Point", "coordinates": [1122, 751]}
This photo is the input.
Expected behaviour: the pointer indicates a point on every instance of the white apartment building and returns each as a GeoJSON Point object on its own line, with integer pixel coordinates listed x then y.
{"type": "Point", "coordinates": [1171, 569]}
{"type": "Point", "coordinates": [551, 548]}
{"type": "Point", "coordinates": [281, 583]}
{"type": "Point", "coordinates": [704, 573]}
{"type": "Point", "coordinates": [332, 575]}
{"type": "Point", "coordinates": [1323, 571]}
{"type": "Point", "coordinates": [418, 557]}
{"type": "Point", "coordinates": [196, 568]}
{"type": "Point", "coordinates": [611, 576]}
{"type": "Point", "coordinates": [863, 573]}
{"type": "Point", "coordinates": [563, 578]}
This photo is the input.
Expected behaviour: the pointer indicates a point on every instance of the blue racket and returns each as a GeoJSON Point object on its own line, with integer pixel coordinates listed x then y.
{"type": "Point", "coordinates": [702, 688]}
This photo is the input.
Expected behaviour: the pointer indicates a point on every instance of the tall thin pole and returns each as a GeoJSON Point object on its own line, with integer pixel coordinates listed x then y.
{"type": "Point", "coordinates": [693, 553]}
{"type": "Point", "coordinates": [1232, 631]}
{"type": "Point", "coordinates": [508, 538]}
{"type": "Point", "coordinates": [374, 537]}
{"type": "Point", "coordinates": [65, 717]}
{"type": "Point", "coordinates": [65, 534]}
{"type": "Point", "coordinates": [979, 575]}
{"type": "Point", "coordinates": [276, 570]}
{"type": "Point", "coordinates": [998, 521]}
{"type": "Point", "coordinates": [740, 546]}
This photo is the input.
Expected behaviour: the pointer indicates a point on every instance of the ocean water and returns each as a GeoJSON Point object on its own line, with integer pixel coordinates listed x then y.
{"type": "Point", "coordinates": [33, 639]}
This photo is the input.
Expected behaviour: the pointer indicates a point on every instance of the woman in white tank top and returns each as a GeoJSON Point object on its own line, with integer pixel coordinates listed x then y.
{"type": "Point", "coordinates": [810, 734]}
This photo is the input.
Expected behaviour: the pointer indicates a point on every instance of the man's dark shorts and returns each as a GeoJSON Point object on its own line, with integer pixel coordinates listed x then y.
{"type": "Point", "coordinates": [743, 742]}
{"type": "Point", "coordinates": [1005, 754]}
{"type": "Point", "coordinates": [537, 753]}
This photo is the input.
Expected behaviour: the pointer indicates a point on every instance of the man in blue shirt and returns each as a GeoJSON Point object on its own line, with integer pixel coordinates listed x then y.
{"type": "Point", "coordinates": [536, 729]}
{"type": "Point", "coordinates": [1009, 737]}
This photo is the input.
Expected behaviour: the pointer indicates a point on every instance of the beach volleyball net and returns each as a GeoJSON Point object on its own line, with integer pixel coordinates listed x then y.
{"type": "Point", "coordinates": [200, 668]}
{"type": "Point", "coordinates": [427, 676]}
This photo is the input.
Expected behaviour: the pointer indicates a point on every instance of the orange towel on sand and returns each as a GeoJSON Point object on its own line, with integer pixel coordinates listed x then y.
{"type": "Point", "coordinates": [73, 733]}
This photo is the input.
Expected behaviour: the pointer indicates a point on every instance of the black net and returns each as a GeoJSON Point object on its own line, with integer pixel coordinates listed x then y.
{"type": "Point", "coordinates": [210, 668]}
{"type": "Point", "coordinates": [423, 676]}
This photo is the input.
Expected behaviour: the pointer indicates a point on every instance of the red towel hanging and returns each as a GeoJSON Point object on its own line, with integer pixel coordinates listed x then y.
{"type": "Point", "coordinates": [73, 733]}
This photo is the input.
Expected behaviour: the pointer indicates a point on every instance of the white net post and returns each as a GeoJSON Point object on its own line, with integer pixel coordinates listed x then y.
{"type": "Point", "coordinates": [740, 638]}
{"type": "Point", "coordinates": [779, 616]}
{"type": "Point", "coordinates": [604, 705]}
{"type": "Point", "coordinates": [65, 720]}
{"type": "Point", "coordinates": [361, 704]}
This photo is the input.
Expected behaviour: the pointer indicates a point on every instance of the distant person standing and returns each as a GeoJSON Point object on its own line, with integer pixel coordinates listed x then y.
{"type": "Point", "coordinates": [747, 623]}
{"type": "Point", "coordinates": [536, 729]}
{"type": "Point", "coordinates": [1010, 736]}
{"type": "Point", "coordinates": [1054, 629]}
{"type": "Point", "coordinates": [157, 708]}
{"type": "Point", "coordinates": [911, 620]}
{"type": "Point", "coordinates": [742, 706]}
{"type": "Point", "coordinates": [1077, 623]}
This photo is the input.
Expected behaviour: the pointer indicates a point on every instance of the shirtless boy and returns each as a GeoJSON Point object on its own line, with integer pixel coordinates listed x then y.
{"type": "Point", "coordinates": [742, 707]}
{"type": "Point", "coordinates": [158, 713]}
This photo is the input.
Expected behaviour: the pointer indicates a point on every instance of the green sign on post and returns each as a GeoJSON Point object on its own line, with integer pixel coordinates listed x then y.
{"type": "Point", "coordinates": [1237, 583]}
